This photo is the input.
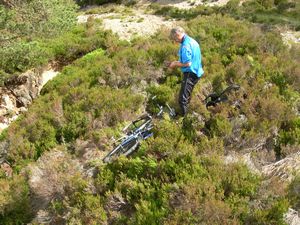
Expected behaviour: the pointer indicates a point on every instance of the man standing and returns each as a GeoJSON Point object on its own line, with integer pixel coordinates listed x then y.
{"type": "Point", "coordinates": [190, 64]}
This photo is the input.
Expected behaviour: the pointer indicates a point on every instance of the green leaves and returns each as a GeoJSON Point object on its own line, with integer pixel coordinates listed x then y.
{"type": "Point", "coordinates": [20, 56]}
{"type": "Point", "coordinates": [24, 24]}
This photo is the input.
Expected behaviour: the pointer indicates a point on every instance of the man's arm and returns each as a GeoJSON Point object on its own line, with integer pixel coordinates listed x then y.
{"type": "Point", "coordinates": [186, 58]}
{"type": "Point", "coordinates": [179, 64]}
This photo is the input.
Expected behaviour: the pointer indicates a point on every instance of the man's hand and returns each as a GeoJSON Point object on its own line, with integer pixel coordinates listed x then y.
{"type": "Point", "coordinates": [174, 64]}
{"type": "Point", "coordinates": [178, 64]}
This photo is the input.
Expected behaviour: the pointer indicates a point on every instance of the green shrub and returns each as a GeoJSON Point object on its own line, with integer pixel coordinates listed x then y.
{"type": "Point", "coordinates": [178, 175]}
{"type": "Point", "coordinates": [96, 2]}
{"type": "Point", "coordinates": [27, 20]}
{"type": "Point", "coordinates": [159, 95]}
{"type": "Point", "coordinates": [269, 12]}
{"type": "Point", "coordinates": [293, 192]}
{"type": "Point", "coordinates": [241, 181]}
{"type": "Point", "coordinates": [187, 14]}
{"type": "Point", "coordinates": [21, 56]}
{"type": "Point", "coordinates": [219, 126]}
{"type": "Point", "coordinates": [80, 206]}
{"type": "Point", "coordinates": [290, 133]}
{"type": "Point", "coordinates": [271, 215]}
{"type": "Point", "coordinates": [76, 126]}
{"type": "Point", "coordinates": [14, 201]}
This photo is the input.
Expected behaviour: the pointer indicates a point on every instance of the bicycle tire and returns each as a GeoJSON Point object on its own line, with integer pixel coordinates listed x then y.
{"type": "Point", "coordinates": [133, 146]}
{"type": "Point", "coordinates": [112, 153]}
{"type": "Point", "coordinates": [125, 148]}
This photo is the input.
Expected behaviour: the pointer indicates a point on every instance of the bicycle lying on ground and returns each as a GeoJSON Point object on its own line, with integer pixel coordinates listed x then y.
{"type": "Point", "coordinates": [141, 129]}
{"type": "Point", "coordinates": [213, 99]}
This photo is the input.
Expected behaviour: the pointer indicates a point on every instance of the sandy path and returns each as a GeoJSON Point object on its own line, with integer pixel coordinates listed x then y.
{"type": "Point", "coordinates": [190, 3]}
{"type": "Point", "coordinates": [138, 23]}
{"type": "Point", "coordinates": [127, 27]}
{"type": "Point", "coordinates": [48, 75]}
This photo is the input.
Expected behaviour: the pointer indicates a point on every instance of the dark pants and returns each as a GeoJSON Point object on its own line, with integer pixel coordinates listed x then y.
{"type": "Point", "coordinates": [189, 81]}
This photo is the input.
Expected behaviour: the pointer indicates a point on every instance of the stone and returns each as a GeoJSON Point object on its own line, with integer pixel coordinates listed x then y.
{"type": "Point", "coordinates": [19, 92]}
{"type": "Point", "coordinates": [285, 169]}
{"type": "Point", "coordinates": [292, 217]}
{"type": "Point", "coordinates": [4, 145]}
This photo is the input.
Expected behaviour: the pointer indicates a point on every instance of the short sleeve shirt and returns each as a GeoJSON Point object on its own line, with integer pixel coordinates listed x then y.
{"type": "Point", "coordinates": [190, 52]}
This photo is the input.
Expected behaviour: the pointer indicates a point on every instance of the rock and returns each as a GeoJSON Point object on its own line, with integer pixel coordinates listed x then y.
{"type": "Point", "coordinates": [285, 169]}
{"type": "Point", "coordinates": [101, 81]}
{"type": "Point", "coordinates": [7, 107]}
{"type": "Point", "coordinates": [25, 87]}
{"type": "Point", "coordinates": [290, 37]}
{"type": "Point", "coordinates": [236, 123]}
{"type": "Point", "coordinates": [3, 125]}
{"type": "Point", "coordinates": [23, 109]}
{"type": "Point", "coordinates": [292, 217]}
{"type": "Point", "coordinates": [47, 75]}
{"type": "Point", "coordinates": [7, 102]}
{"type": "Point", "coordinates": [3, 151]}
{"type": "Point", "coordinates": [187, 4]}
{"type": "Point", "coordinates": [19, 92]}
{"type": "Point", "coordinates": [88, 154]}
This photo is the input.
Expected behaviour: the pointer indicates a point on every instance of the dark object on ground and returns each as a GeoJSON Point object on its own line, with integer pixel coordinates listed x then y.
{"type": "Point", "coordinates": [213, 99]}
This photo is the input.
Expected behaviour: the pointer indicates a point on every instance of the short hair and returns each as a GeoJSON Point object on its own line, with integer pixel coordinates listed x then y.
{"type": "Point", "coordinates": [176, 30]}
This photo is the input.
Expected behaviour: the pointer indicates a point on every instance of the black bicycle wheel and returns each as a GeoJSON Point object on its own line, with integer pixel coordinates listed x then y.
{"type": "Point", "coordinates": [115, 152]}
{"type": "Point", "coordinates": [131, 147]}
{"type": "Point", "coordinates": [125, 148]}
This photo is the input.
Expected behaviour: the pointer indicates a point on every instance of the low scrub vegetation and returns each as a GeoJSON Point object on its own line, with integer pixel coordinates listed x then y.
{"type": "Point", "coordinates": [72, 42]}
{"type": "Point", "coordinates": [281, 12]}
{"type": "Point", "coordinates": [178, 176]}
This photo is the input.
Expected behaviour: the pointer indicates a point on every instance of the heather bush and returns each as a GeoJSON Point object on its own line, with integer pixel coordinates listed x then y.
{"type": "Point", "coordinates": [78, 206]}
{"type": "Point", "coordinates": [273, 214]}
{"type": "Point", "coordinates": [177, 176]}
{"type": "Point", "coordinates": [22, 55]}
{"type": "Point", "coordinates": [293, 192]}
{"type": "Point", "coordinates": [14, 200]}
{"type": "Point", "coordinates": [290, 132]}
{"type": "Point", "coordinates": [23, 24]}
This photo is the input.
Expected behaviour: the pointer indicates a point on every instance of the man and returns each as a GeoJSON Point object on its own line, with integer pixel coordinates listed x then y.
{"type": "Point", "coordinates": [190, 63]}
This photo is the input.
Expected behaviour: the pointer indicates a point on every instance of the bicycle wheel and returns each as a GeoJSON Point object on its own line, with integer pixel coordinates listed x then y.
{"type": "Point", "coordinates": [115, 152]}
{"type": "Point", "coordinates": [131, 147]}
{"type": "Point", "coordinates": [125, 148]}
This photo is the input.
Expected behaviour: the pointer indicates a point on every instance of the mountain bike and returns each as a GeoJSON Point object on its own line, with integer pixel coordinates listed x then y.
{"type": "Point", "coordinates": [137, 131]}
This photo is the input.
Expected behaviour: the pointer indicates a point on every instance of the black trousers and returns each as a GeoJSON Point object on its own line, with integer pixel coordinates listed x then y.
{"type": "Point", "coordinates": [187, 85]}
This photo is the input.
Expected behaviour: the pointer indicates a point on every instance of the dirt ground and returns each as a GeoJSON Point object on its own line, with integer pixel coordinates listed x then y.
{"type": "Point", "coordinates": [138, 22]}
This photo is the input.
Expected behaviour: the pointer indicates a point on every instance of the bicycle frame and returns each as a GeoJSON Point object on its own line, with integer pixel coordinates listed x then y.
{"type": "Point", "coordinates": [222, 97]}
{"type": "Point", "coordinates": [142, 130]}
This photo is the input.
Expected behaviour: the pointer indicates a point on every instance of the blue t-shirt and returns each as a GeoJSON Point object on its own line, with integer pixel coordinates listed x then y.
{"type": "Point", "coordinates": [190, 52]}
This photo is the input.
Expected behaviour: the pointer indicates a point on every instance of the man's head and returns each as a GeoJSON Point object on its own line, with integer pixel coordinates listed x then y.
{"type": "Point", "coordinates": [176, 34]}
